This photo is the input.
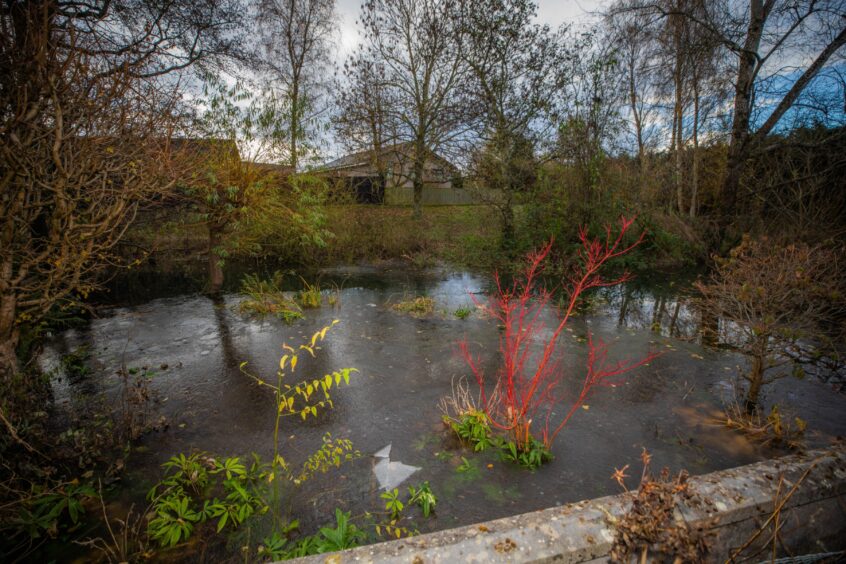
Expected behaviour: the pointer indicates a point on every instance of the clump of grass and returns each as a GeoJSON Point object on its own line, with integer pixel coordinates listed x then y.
{"type": "Point", "coordinates": [310, 296]}
{"type": "Point", "coordinates": [419, 306]}
{"type": "Point", "coordinates": [265, 297]}
{"type": "Point", "coordinates": [463, 312]}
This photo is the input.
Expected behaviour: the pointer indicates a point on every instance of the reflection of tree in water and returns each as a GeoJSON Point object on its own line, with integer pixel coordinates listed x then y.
{"type": "Point", "coordinates": [639, 307]}
{"type": "Point", "coordinates": [241, 396]}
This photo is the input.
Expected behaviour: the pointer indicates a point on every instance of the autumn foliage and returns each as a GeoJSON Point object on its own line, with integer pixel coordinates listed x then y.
{"type": "Point", "coordinates": [530, 385]}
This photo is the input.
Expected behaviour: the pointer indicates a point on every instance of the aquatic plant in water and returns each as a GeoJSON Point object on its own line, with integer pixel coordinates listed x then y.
{"type": "Point", "coordinates": [265, 297]}
{"type": "Point", "coordinates": [310, 296]}
{"type": "Point", "coordinates": [463, 312]}
{"type": "Point", "coordinates": [421, 305]}
{"type": "Point", "coordinates": [527, 392]}
{"type": "Point", "coordinates": [199, 488]}
{"type": "Point", "coordinates": [304, 399]}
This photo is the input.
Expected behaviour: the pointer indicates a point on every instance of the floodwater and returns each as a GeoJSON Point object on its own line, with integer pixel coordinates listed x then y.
{"type": "Point", "coordinates": [406, 364]}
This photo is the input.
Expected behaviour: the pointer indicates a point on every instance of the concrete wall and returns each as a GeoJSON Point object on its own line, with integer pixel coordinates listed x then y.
{"type": "Point", "coordinates": [739, 502]}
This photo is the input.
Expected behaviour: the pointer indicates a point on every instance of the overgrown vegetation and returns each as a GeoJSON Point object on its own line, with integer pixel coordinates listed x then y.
{"type": "Point", "coordinates": [310, 296]}
{"type": "Point", "coordinates": [419, 306]}
{"type": "Point", "coordinates": [266, 297]}
{"type": "Point", "coordinates": [117, 144]}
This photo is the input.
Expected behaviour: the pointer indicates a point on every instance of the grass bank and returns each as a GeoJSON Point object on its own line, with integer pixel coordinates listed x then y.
{"type": "Point", "coordinates": [462, 236]}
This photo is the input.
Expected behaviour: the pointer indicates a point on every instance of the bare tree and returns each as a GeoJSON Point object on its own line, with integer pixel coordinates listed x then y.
{"type": "Point", "coordinates": [590, 117]}
{"type": "Point", "coordinates": [771, 28]}
{"type": "Point", "coordinates": [768, 38]}
{"type": "Point", "coordinates": [417, 43]}
{"type": "Point", "coordinates": [363, 103]}
{"type": "Point", "coordinates": [89, 91]}
{"type": "Point", "coordinates": [639, 65]}
{"type": "Point", "coordinates": [775, 303]}
{"type": "Point", "coordinates": [296, 41]}
{"type": "Point", "coordinates": [517, 69]}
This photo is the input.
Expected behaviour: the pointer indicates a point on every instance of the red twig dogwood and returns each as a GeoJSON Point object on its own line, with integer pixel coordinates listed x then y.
{"type": "Point", "coordinates": [529, 382]}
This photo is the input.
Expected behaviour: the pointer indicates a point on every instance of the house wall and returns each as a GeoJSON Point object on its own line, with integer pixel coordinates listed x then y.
{"type": "Point", "coordinates": [399, 189]}
{"type": "Point", "coordinates": [437, 185]}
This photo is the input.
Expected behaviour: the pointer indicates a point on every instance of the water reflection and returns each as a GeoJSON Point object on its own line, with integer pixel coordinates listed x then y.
{"type": "Point", "coordinates": [407, 364]}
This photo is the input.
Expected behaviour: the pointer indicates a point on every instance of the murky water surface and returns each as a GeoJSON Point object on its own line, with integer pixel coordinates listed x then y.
{"type": "Point", "coordinates": [406, 365]}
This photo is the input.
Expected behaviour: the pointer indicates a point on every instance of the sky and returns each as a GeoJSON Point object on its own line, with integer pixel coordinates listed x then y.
{"type": "Point", "coordinates": [552, 12]}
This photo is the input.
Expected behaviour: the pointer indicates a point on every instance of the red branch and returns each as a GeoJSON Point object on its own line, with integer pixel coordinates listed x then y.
{"type": "Point", "coordinates": [524, 393]}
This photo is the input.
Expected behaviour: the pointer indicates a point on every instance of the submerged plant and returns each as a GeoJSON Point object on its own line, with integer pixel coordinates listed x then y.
{"type": "Point", "coordinates": [530, 387]}
{"type": "Point", "coordinates": [75, 363]}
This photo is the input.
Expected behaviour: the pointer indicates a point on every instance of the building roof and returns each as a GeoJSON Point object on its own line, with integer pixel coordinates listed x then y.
{"type": "Point", "coordinates": [363, 158]}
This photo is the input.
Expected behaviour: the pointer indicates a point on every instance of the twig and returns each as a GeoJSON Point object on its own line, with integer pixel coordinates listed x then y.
{"type": "Point", "coordinates": [14, 433]}
{"type": "Point", "coordinates": [775, 515]}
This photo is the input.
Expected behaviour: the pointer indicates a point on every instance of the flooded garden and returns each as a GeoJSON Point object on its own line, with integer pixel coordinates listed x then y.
{"type": "Point", "coordinates": [208, 366]}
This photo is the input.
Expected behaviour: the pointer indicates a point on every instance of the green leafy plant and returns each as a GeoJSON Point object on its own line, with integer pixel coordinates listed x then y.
{"type": "Point", "coordinates": [532, 456]}
{"type": "Point", "coordinates": [466, 466]}
{"type": "Point", "coordinates": [47, 511]}
{"type": "Point", "coordinates": [187, 496]}
{"type": "Point", "coordinates": [422, 496]}
{"type": "Point", "coordinates": [75, 363]}
{"type": "Point", "coordinates": [344, 535]}
{"type": "Point", "coordinates": [174, 520]}
{"type": "Point", "coordinates": [274, 547]}
{"type": "Point", "coordinates": [463, 312]}
{"type": "Point", "coordinates": [472, 427]}
{"type": "Point", "coordinates": [304, 399]}
{"type": "Point", "coordinates": [392, 503]}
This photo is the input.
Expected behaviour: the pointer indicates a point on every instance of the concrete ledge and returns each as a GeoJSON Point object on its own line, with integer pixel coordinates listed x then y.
{"type": "Point", "coordinates": [737, 503]}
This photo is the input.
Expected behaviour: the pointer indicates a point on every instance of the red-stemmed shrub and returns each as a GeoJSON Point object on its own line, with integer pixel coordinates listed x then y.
{"type": "Point", "coordinates": [530, 382]}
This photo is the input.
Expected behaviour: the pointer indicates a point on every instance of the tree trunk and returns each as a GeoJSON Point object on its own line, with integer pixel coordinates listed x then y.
{"type": "Point", "coordinates": [674, 319]}
{"type": "Point", "coordinates": [215, 266]}
{"type": "Point", "coordinates": [9, 366]}
{"type": "Point", "coordinates": [417, 179]}
{"type": "Point", "coordinates": [709, 328]}
{"type": "Point", "coordinates": [295, 122]}
{"type": "Point", "coordinates": [694, 182]}
{"type": "Point", "coordinates": [756, 380]}
{"type": "Point", "coordinates": [678, 113]}
{"type": "Point", "coordinates": [746, 64]}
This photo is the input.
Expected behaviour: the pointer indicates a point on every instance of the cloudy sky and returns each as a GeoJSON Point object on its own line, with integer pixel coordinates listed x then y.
{"type": "Point", "coordinates": [552, 12]}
